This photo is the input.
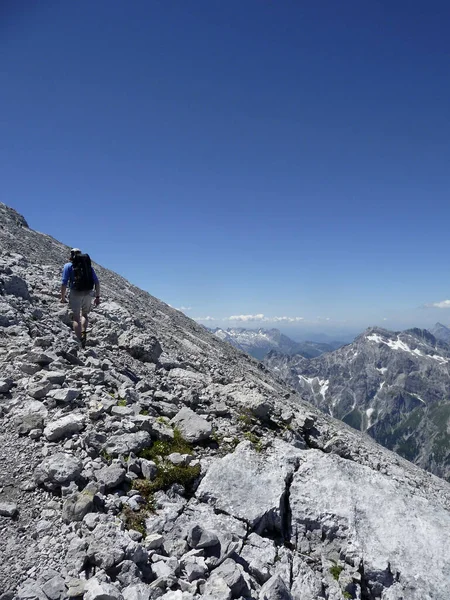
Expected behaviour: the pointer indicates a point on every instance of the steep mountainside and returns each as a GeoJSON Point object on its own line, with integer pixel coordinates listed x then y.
{"type": "Point", "coordinates": [394, 386]}
{"type": "Point", "coordinates": [160, 462]}
{"type": "Point", "coordinates": [259, 342]}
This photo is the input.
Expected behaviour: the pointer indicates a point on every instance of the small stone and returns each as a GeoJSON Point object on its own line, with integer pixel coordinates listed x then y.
{"type": "Point", "coordinates": [112, 476]}
{"type": "Point", "coordinates": [65, 395]}
{"type": "Point", "coordinates": [201, 538]}
{"type": "Point", "coordinates": [96, 590]}
{"type": "Point", "coordinates": [153, 541]}
{"type": "Point", "coordinates": [54, 588]}
{"type": "Point", "coordinates": [75, 587]}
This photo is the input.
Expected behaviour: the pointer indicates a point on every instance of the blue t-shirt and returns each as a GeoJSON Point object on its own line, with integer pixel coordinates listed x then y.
{"type": "Point", "coordinates": [67, 275]}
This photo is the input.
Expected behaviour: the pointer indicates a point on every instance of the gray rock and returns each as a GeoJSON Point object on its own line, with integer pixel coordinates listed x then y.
{"type": "Point", "coordinates": [153, 541]}
{"type": "Point", "coordinates": [40, 358]}
{"type": "Point", "coordinates": [250, 485]}
{"type": "Point", "coordinates": [275, 589]}
{"type": "Point", "coordinates": [59, 469]}
{"type": "Point", "coordinates": [77, 506]}
{"type": "Point", "coordinates": [231, 573]}
{"type": "Point", "coordinates": [58, 377]}
{"type": "Point", "coordinates": [5, 386]}
{"type": "Point", "coordinates": [63, 427]}
{"type": "Point", "coordinates": [16, 286]}
{"type": "Point", "coordinates": [259, 556]}
{"type": "Point", "coordinates": [108, 545]}
{"type": "Point", "coordinates": [201, 538]}
{"type": "Point", "coordinates": [75, 587]}
{"type": "Point", "coordinates": [216, 589]}
{"type": "Point", "coordinates": [127, 442]}
{"type": "Point", "coordinates": [98, 590]}
{"type": "Point", "coordinates": [55, 588]}
{"type": "Point", "coordinates": [148, 468]}
{"type": "Point", "coordinates": [65, 395]}
{"type": "Point", "coordinates": [195, 568]}
{"type": "Point", "coordinates": [122, 411]}
{"type": "Point", "coordinates": [193, 428]}
{"type": "Point", "coordinates": [31, 417]}
{"type": "Point", "coordinates": [8, 509]}
{"type": "Point", "coordinates": [39, 390]}
{"type": "Point", "coordinates": [30, 590]}
{"type": "Point", "coordinates": [139, 591]}
{"type": "Point", "coordinates": [141, 346]}
{"type": "Point", "coordinates": [376, 521]}
{"type": "Point", "coordinates": [112, 476]}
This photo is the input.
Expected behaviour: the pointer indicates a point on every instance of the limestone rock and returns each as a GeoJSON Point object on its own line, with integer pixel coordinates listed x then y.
{"type": "Point", "coordinates": [126, 443]}
{"type": "Point", "coordinates": [141, 346]}
{"type": "Point", "coordinates": [8, 509]}
{"type": "Point", "coordinates": [251, 486]}
{"type": "Point", "coordinates": [96, 590]}
{"type": "Point", "coordinates": [59, 469]}
{"type": "Point", "coordinates": [193, 428]}
{"type": "Point", "coordinates": [63, 427]}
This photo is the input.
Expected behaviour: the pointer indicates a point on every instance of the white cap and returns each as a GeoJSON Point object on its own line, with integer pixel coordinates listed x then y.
{"type": "Point", "coordinates": [75, 250]}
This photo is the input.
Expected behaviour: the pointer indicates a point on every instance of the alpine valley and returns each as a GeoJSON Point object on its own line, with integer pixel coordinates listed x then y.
{"type": "Point", "coordinates": [161, 462]}
{"type": "Point", "coordinates": [393, 385]}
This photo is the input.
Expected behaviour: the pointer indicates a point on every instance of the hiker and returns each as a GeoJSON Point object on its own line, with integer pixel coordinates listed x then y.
{"type": "Point", "coordinates": [80, 276]}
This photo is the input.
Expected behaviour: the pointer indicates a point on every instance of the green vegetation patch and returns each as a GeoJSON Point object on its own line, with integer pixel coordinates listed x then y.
{"type": "Point", "coordinates": [134, 520]}
{"type": "Point", "coordinates": [254, 439]}
{"type": "Point", "coordinates": [168, 473]}
{"type": "Point", "coordinates": [336, 570]}
{"type": "Point", "coordinates": [162, 448]}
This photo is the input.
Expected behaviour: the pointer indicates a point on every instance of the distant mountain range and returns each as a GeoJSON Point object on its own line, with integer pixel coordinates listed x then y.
{"type": "Point", "coordinates": [259, 342]}
{"type": "Point", "coordinates": [393, 385]}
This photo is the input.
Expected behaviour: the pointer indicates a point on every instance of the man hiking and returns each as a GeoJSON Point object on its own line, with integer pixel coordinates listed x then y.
{"type": "Point", "coordinates": [80, 277]}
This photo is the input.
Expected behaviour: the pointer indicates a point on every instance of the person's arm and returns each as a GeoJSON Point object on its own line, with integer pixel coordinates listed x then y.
{"type": "Point", "coordinates": [64, 282]}
{"type": "Point", "coordinates": [97, 288]}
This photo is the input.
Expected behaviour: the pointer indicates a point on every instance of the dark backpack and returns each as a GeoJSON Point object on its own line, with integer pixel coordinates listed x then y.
{"type": "Point", "coordinates": [83, 280]}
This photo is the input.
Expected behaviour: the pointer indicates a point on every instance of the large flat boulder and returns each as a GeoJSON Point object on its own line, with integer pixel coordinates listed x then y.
{"type": "Point", "coordinates": [397, 534]}
{"type": "Point", "coordinates": [251, 485]}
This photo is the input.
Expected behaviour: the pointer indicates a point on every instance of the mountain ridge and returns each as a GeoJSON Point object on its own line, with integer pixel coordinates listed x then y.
{"type": "Point", "coordinates": [393, 385]}
{"type": "Point", "coordinates": [259, 342]}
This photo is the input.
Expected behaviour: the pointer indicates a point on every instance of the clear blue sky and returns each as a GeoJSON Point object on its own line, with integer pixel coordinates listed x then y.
{"type": "Point", "coordinates": [283, 158]}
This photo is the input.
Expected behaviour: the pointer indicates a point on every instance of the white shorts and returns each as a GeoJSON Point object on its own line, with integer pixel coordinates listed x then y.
{"type": "Point", "coordinates": [80, 302]}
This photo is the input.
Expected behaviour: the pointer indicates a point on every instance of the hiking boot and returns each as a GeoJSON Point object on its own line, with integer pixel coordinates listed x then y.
{"type": "Point", "coordinates": [83, 339]}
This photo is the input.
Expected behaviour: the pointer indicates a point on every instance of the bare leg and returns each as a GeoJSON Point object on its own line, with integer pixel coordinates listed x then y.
{"type": "Point", "coordinates": [84, 323]}
{"type": "Point", "coordinates": [77, 325]}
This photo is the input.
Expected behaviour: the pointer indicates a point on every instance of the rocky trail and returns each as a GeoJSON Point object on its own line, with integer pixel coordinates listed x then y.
{"type": "Point", "coordinates": [160, 462]}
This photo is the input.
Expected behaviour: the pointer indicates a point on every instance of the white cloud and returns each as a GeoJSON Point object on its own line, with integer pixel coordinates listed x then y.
{"type": "Point", "coordinates": [205, 319]}
{"type": "Point", "coordinates": [184, 308]}
{"type": "Point", "coordinates": [246, 318]}
{"type": "Point", "coordinates": [443, 304]}
{"type": "Point", "coordinates": [261, 317]}
{"type": "Point", "coordinates": [287, 319]}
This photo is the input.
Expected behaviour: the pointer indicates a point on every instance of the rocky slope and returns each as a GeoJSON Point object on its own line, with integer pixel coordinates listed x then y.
{"type": "Point", "coordinates": [162, 463]}
{"type": "Point", "coordinates": [259, 342]}
{"type": "Point", "coordinates": [393, 385]}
